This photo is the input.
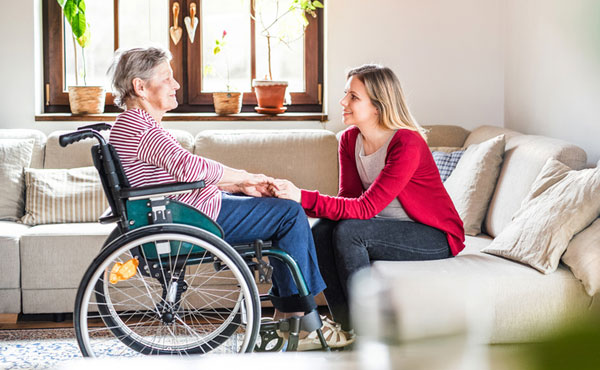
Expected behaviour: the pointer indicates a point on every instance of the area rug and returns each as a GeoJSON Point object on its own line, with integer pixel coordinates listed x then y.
{"type": "Point", "coordinates": [19, 349]}
{"type": "Point", "coordinates": [48, 348]}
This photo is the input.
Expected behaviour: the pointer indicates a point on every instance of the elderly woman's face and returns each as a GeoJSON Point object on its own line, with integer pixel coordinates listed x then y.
{"type": "Point", "coordinates": [160, 89]}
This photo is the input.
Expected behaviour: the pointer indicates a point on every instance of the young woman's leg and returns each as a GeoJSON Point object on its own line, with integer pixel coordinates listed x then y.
{"type": "Point", "coordinates": [245, 219]}
{"type": "Point", "coordinates": [337, 301]}
{"type": "Point", "coordinates": [358, 242]}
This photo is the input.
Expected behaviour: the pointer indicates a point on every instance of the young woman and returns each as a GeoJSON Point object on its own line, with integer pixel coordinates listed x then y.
{"type": "Point", "coordinates": [391, 203]}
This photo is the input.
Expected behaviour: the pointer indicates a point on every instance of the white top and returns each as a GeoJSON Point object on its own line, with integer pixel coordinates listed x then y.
{"type": "Point", "coordinates": [369, 167]}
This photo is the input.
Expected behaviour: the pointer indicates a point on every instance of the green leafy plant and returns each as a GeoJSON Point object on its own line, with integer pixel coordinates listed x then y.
{"type": "Point", "coordinates": [298, 7]}
{"type": "Point", "coordinates": [74, 12]}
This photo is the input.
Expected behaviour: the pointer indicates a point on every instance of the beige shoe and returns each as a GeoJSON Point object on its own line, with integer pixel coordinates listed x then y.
{"type": "Point", "coordinates": [334, 336]}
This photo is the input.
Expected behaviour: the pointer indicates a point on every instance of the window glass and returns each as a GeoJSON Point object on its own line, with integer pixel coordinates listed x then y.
{"type": "Point", "coordinates": [232, 19]}
{"type": "Point", "coordinates": [99, 52]}
{"type": "Point", "coordinates": [287, 42]}
{"type": "Point", "coordinates": [144, 22]}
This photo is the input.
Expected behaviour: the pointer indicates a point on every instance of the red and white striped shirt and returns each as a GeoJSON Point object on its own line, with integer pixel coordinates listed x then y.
{"type": "Point", "coordinates": [150, 156]}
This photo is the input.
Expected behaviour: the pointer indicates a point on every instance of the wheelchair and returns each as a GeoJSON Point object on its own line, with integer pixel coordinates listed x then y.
{"type": "Point", "coordinates": [166, 283]}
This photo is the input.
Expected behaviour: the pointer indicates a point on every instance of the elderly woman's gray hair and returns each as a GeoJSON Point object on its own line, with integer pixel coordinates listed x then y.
{"type": "Point", "coordinates": [133, 63]}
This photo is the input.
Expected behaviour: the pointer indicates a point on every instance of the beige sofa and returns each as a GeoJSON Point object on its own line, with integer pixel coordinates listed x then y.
{"type": "Point", "coordinates": [42, 265]}
{"type": "Point", "coordinates": [489, 298]}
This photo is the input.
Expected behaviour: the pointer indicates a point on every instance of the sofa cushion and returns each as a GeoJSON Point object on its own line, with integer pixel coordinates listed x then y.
{"type": "Point", "coordinates": [63, 195]}
{"type": "Point", "coordinates": [78, 154]}
{"type": "Point", "coordinates": [39, 139]}
{"type": "Point", "coordinates": [583, 257]}
{"type": "Point", "coordinates": [504, 301]}
{"type": "Point", "coordinates": [15, 155]}
{"type": "Point", "coordinates": [561, 203]}
{"type": "Point", "coordinates": [446, 161]}
{"type": "Point", "coordinates": [524, 158]}
{"type": "Point", "coordinates": [10, 270]}
{"type": "Point", "coordinates": [472, 182]}
{"type": "Point", "coordinates": [308, 158]}
{"type": "Point", "coordinates": [55, 256]}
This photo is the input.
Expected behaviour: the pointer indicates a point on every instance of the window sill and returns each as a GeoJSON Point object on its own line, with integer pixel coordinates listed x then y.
{"type": "Point", "coordinates": [189, 117]}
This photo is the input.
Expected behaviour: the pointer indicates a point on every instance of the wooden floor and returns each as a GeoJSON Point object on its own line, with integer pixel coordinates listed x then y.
{"type": "Point", "coordinates": [35, 322]}
{"type": "Point", "coordinates": [50, 321]}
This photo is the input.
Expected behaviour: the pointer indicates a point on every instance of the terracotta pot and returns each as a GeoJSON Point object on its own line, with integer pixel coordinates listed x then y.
{"type": "Point", "coordinates": [228, 102]}
{"type": "Point", "coordinates": [270, 94]}
{"type": "Point", "coordinates": [86, 99]}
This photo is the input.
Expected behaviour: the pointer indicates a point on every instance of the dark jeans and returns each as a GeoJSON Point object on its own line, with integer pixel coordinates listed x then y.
{"type": "Point", "coordinates": [245, 219]}
{"type": "Point", "coordinates": [346, 246]}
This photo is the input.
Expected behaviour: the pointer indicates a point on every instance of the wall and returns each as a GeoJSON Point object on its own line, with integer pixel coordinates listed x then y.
{"type": "Point", "coordinates": [448, 55]}
{"type": "Point", "coordinates": [552, 70]}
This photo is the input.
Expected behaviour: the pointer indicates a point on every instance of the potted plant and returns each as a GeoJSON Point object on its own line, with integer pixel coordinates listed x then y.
{"type": "Point", "coordinates": [270, 93]}
{"type": "Point", "coordinates": [82, 98]}
{"type": "Point", "coordinates": [227, 102]}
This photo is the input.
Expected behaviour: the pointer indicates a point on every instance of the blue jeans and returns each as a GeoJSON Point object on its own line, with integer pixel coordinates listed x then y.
{"type": "Point", "coordinates": [245, 219]}
{"type": "Point", "coordinates": [346, 246]}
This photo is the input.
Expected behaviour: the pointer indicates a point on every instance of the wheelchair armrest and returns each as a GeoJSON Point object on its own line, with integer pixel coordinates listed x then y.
{"type": "Point", "coordinates": [160, 189]}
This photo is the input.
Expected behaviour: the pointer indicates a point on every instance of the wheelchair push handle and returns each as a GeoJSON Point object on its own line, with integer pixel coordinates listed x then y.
{"type": "Point", "coordinates": [96, 126]}
{"type": "Point", "coordinates": [76, 136]}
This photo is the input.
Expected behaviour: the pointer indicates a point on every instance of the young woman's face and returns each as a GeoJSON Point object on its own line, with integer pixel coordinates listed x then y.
{"type": "Point", "coordinates": [357, 108]}
{"type": "Point", "coordinates": [160, 89]}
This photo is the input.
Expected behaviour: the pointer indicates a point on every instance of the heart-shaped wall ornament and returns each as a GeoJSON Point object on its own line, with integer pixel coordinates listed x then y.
{"type": "Point", "coordinates": [191, 22]}
{"type": "Point", "coordinates": [175, 31]}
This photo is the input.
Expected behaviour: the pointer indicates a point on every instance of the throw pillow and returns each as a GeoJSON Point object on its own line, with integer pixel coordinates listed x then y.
{"type": "Point", "coordinates": [473, 181]}
{"type": "Point", "coordinates": [63, 195]}
{"type": "Point", "coordinates": [15, 155]}
{"type": "Point", "coordinates": [583, 257]}
{"type": "Point", "coordinates": [561, 203]}
{"type": "Point", "coordinates": [446, 162]}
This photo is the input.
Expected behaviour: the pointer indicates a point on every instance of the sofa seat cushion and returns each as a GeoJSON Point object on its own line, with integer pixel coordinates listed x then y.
{"type": "Point", "coordinates": [504, 300]}
{"type": "Point", "coordinates": [55, 256]}
{"type": "Point", "coordinates": [10, 272]}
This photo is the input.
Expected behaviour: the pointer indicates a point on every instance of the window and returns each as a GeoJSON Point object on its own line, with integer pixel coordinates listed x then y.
{"type": "Point", "coordinates": [125, 23]}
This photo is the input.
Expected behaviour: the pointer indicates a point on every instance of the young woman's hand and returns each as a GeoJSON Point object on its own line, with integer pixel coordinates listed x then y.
{"type": "Point", "coordinates": [285, 189]}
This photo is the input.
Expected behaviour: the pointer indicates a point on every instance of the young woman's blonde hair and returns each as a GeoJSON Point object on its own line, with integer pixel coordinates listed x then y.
{"type": "Point", "coordinates": [386, 94]}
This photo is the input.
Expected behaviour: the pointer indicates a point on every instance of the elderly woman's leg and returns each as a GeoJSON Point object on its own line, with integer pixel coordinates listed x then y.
{"type": "Point", "coordinates": [245, 219]}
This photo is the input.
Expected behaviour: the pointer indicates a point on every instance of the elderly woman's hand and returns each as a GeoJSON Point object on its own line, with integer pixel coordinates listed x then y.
{"type": "Point", "coordinates": [285, 189]}
{"type": "Point", "coordinates": [256, 185]}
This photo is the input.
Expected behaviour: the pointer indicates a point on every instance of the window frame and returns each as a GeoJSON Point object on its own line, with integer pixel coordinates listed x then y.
{"type": "Point", "coordinates": [190, 95]}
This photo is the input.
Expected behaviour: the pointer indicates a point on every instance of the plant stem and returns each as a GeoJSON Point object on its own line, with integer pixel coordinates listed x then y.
{"type": "Point", "coordinates": [76, 69]}
{"type": "Point", "coordinates": [84, 70]}
{"type": "Point", "coordinates": [269, 56]}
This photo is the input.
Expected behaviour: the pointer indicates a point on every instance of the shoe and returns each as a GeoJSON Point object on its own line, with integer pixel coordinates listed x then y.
{"type": "Point", "coordinates": [334, 336]}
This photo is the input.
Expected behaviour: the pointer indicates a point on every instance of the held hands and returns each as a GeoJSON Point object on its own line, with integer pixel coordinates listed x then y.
{"type": "Point", "coordinates": [285, 189]}
{"type": "Point", "coordinates": [240, 181]}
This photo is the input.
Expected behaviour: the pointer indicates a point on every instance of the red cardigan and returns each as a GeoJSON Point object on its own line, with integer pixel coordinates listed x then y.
{"type": "Point", "coordinates": [409, 174]}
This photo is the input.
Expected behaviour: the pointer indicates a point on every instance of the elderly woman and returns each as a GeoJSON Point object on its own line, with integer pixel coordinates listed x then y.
{"type": "Point", "coordinates": [144, 86]}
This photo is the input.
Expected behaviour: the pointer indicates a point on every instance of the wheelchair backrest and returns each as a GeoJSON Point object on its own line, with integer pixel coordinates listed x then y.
{"type": "Point", "coordinates": [112, 176]}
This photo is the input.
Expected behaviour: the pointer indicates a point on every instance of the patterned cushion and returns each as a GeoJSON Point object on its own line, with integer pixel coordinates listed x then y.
{"type": "Point", "coordinates": [63, 195]}
{"type": "Point", "coordinates": [15, 154]}
{"type": "Point", "coordinates": [446, 162]}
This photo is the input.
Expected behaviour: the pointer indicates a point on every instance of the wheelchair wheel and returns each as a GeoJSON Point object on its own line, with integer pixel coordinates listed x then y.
{"type": "Point", "coordinates": [175, 304]}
